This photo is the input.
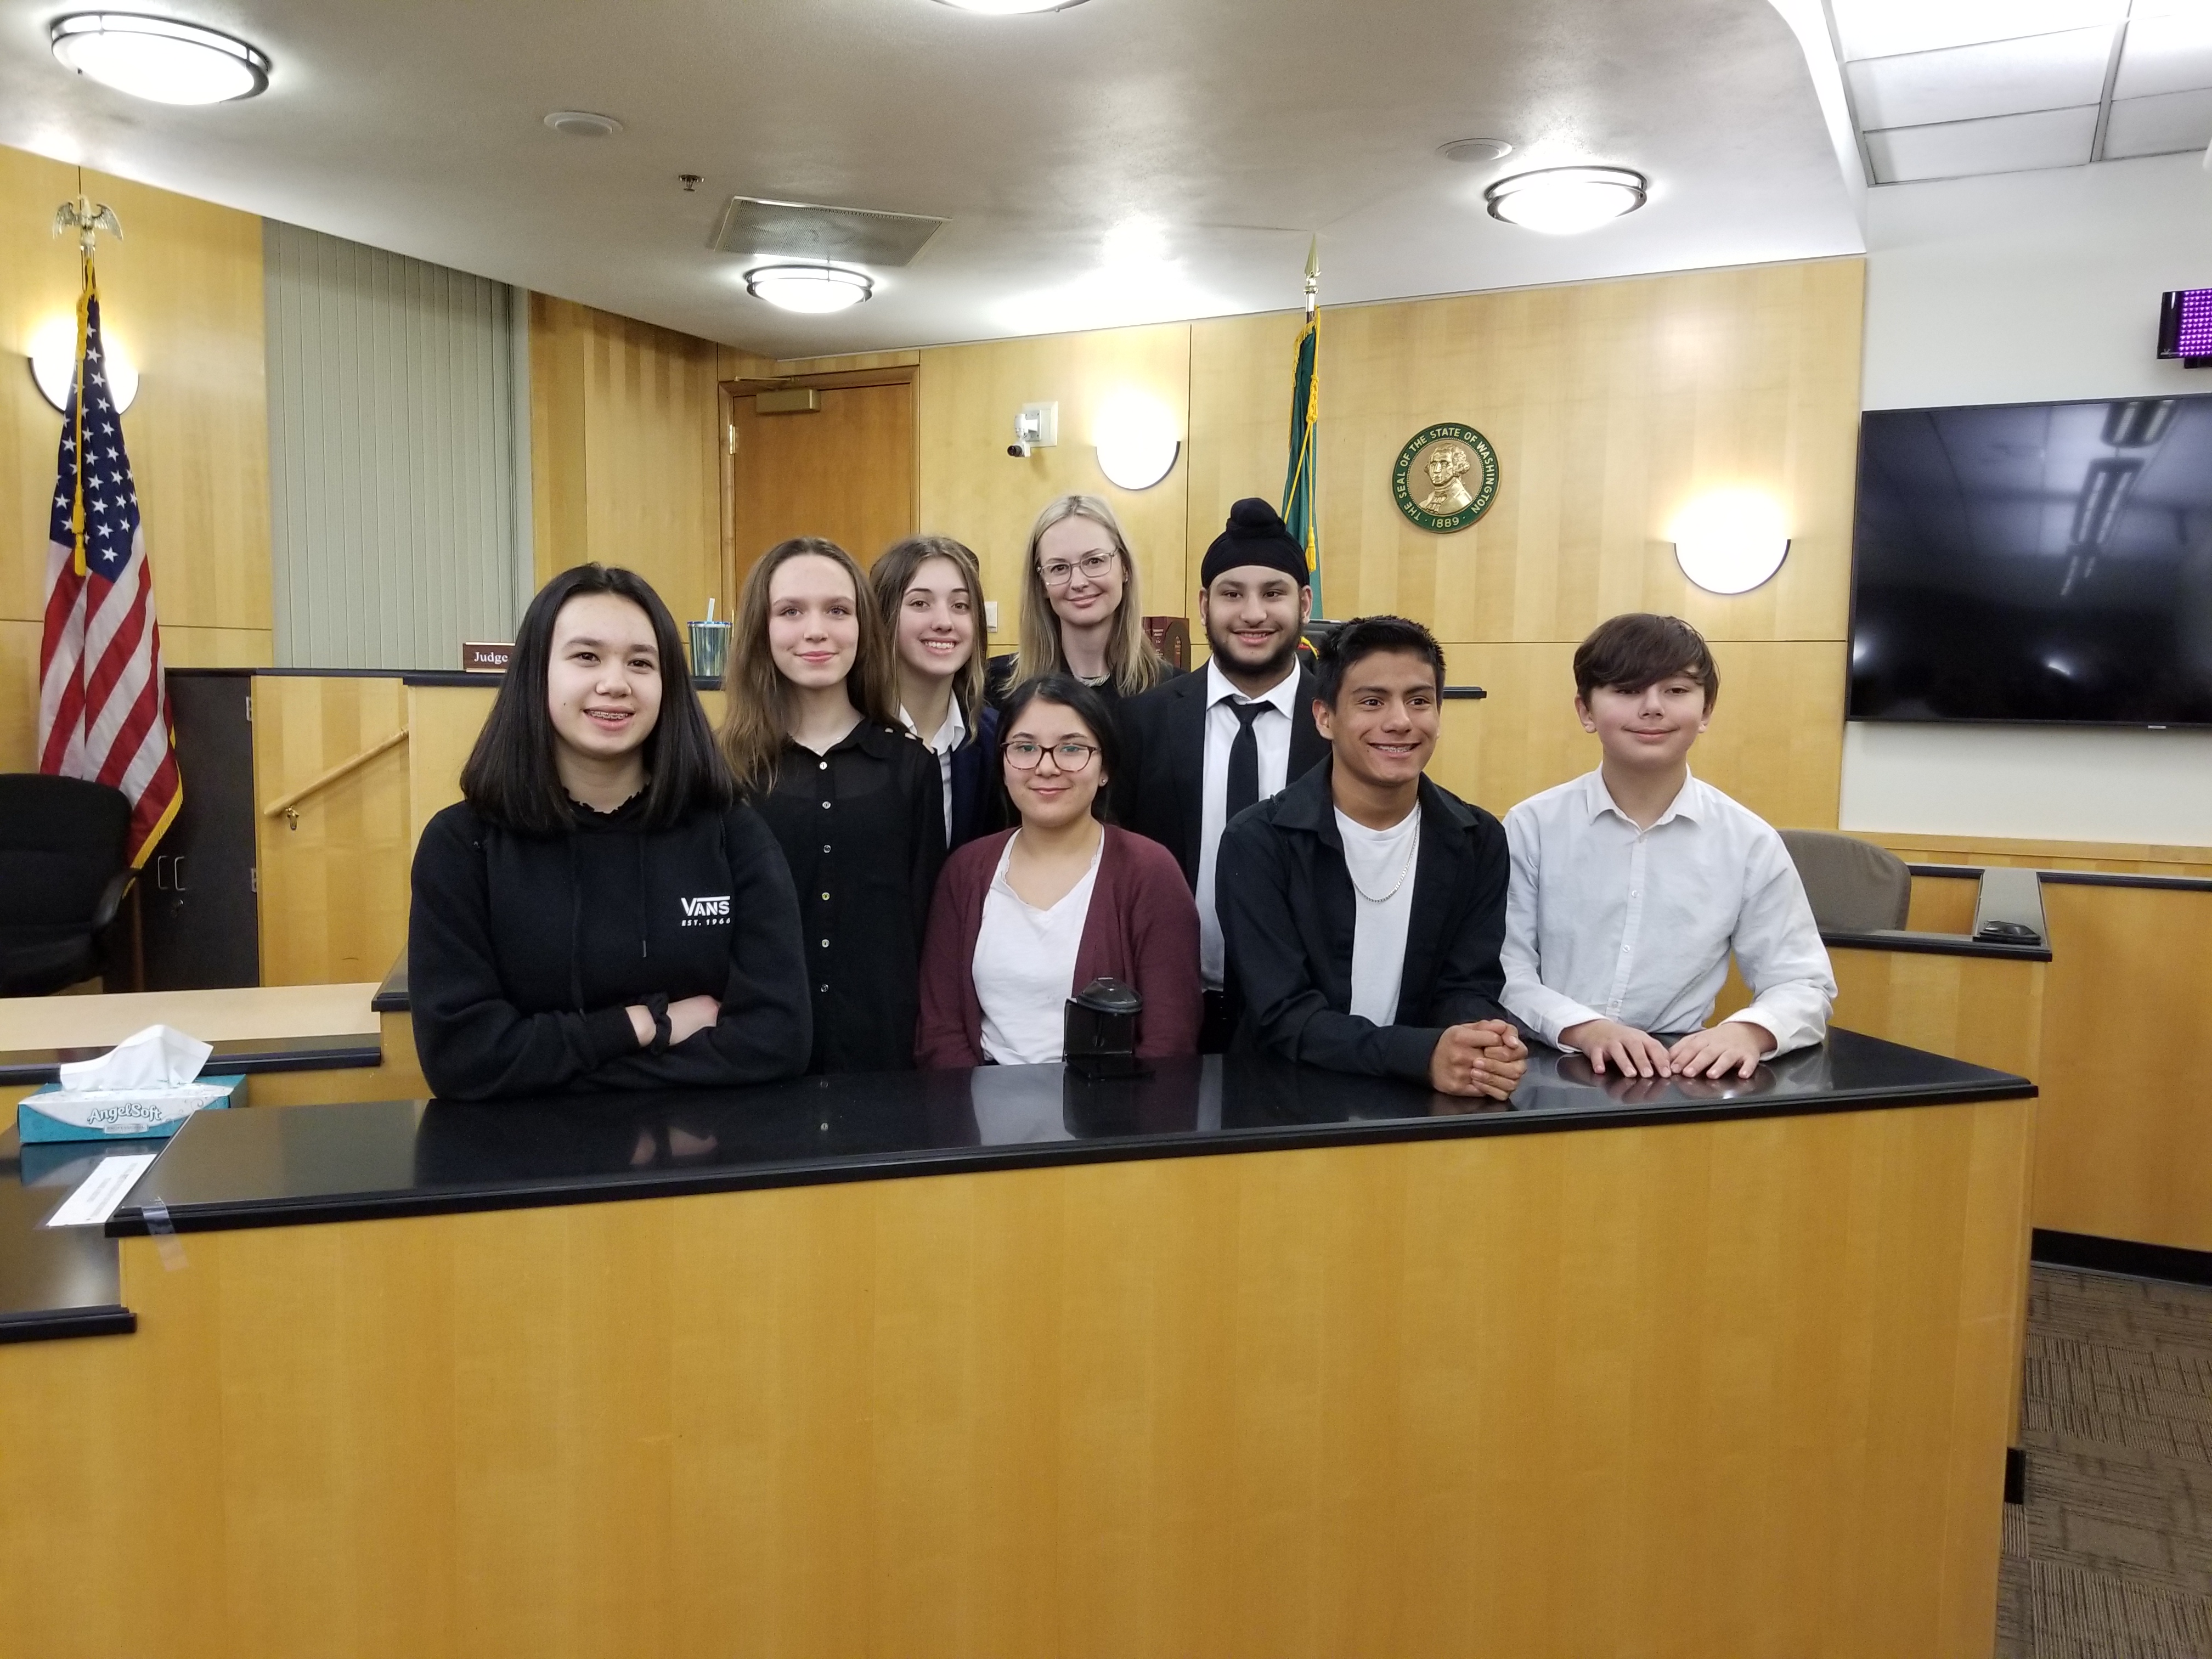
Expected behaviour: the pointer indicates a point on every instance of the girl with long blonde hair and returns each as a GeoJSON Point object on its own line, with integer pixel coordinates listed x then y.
{"type": "Point", "coordinates": [813, 735]}
{"type": "Point", "coordinates": [1082, 613]}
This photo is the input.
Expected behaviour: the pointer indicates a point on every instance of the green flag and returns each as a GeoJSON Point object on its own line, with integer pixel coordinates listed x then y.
{"type": "Point", "coordinates": [1298, 508]}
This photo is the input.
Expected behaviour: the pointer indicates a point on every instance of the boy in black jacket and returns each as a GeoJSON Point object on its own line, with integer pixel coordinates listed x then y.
{"type": "Point", "coordinates": [1364, 906]}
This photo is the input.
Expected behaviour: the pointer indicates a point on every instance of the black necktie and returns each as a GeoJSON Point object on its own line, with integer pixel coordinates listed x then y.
{"type": "Point", "coordinates": [1243, 761]}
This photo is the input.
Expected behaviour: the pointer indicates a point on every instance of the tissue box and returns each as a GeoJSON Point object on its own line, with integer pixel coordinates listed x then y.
{"type": "Point", "coordinates": [54, 1113]}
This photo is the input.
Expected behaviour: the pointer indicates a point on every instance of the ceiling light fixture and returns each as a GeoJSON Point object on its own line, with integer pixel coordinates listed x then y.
{"type": "Point", "coordinates": [1009, 8]}
{"type": "Point", "coordinates": [1560, 201]}
{"type": "Point", "coordinates": [813, 288]}
{"type": "Point", "coordinates": [53, 364]}
{"type": "Point", "coordinates": [1475, 150]}
{"type": "Point", "coordinates": [1731, 541]}
{"type": "Point", "coordinates": [159, 57]}
{"type": "Point", "coordinates": [583, 123]}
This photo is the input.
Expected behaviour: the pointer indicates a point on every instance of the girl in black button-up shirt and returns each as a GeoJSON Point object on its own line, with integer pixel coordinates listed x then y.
{"type": "Point", "coordinates": [853, 799]}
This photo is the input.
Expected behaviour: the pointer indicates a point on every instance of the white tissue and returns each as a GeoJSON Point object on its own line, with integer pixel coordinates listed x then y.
{"type": "Point", "coordinates": [155, 1058]}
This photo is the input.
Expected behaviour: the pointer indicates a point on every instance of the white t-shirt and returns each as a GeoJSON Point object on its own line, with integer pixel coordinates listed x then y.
{"type": "Point", "coordinates": [1024, 966]}
{"type": "Point", "coordinates": [1380, 863]}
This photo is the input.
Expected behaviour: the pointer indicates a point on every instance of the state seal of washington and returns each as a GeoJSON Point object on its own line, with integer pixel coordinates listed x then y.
{"type": "Point", "coordinates": [1446, 478]}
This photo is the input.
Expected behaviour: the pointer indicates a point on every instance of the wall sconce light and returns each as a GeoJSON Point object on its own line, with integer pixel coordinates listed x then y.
{"type": "Point", "coordinates": [1731, 540]}
{"type": "Point", "coordinates": [1137, 442]}
{"type": "Point", "coordinates": [53, 364]}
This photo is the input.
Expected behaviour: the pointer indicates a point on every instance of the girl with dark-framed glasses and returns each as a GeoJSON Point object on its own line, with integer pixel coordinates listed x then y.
{"type": "Point", "coordinates": [1024, 918]}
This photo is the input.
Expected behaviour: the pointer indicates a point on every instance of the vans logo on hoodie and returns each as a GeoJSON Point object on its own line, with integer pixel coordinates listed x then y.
{"type": "Point", "coordinates": [707, 911]}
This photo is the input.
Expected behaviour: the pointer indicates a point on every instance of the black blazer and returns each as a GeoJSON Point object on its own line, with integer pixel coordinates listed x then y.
{"type": "Point", "coordinates": [1161, 790]}
{"type": "Point", "coordinates": [1287, 914]}
{"type": "Point", "coordinates": [979, 796]}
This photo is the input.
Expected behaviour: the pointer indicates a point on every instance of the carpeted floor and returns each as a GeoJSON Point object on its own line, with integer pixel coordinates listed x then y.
{"type": "Point", "coordinates": [2111, 1556]}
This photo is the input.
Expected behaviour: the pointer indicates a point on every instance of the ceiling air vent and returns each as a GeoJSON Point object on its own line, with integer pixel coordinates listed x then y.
{"type": "Point", "coordinates": [799, 230]}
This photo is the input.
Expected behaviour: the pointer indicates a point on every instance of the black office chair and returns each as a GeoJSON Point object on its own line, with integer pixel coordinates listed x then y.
{"type": "Point", "coordinates": [62, 878]}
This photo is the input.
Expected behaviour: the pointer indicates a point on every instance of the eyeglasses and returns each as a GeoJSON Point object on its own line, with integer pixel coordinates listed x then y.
{"type": "Point", "coordinates": [1060, 573]}
{"type": "Point", "coordinates": [1067, 757]}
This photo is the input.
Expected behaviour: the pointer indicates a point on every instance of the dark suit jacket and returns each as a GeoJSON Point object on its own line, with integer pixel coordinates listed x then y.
{"type": "Point", "coordinates": [978, 794]}
{"type": "Point", "coordinates": [1287, 914]}
{"type": "Point", "coordinates": [1161, 790]}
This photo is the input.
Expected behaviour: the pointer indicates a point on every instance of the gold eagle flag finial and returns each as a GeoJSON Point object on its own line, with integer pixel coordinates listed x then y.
{"type": "Point", "coordinates": [87, 218]}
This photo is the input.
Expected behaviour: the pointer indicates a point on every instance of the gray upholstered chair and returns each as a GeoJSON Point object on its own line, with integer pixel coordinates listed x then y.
{"type": "Point", "coordinates": [1855, 886]}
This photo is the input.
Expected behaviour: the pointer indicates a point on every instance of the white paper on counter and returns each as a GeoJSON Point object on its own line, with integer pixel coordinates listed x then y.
{"type": "Point", "coordinates": [101, 1194]}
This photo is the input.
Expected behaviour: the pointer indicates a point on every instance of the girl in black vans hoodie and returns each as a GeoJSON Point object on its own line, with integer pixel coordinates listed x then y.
{"type": "Point", "coordinates": [600, 911]}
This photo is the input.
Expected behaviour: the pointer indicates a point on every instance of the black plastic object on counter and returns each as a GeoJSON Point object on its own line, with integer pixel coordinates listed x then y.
{"type": "Point", "coordinates": [1101, 1038]}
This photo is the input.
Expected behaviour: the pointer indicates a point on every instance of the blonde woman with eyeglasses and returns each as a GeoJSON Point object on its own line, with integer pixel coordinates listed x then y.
{"type": "Point", "coordinates": [1082, 614]}
{"type": "Point", "coordinates": [1025, 918]}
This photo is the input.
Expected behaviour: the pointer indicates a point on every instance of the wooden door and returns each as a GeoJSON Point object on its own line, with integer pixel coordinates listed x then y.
{"type": "Point", "coordinates": [844, 470]}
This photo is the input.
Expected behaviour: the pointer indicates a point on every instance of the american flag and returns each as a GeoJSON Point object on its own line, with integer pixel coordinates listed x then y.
{"type": "Point", "coordinates": [102, 711]}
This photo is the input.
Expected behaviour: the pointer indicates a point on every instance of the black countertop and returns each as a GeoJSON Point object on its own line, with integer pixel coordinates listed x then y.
{"type": "Point", "coordinates": [295, 1165]}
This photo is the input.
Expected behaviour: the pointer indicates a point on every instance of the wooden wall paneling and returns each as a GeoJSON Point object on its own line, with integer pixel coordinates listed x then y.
{"type": "Point", "coordinates": [1611, 406]}
{"type": "Point", "coordinates": [334, 891]}
{"type": "Point", "coordinates": [2117, 858]}
{"type": "Point", "coordinates": [1740, 1387]}
{"type": "Point", "coordinates": [1942, 904]}
{"type": "Point", "coordinates": [183, 295]}
{"type": "Point", "coordinates": [845, 471]}
{"type": "Point", "coordinates": [1240, 424]}
{"type": "Point", "coordinates": [443, 721]}
{"type": "Point", "coordinates": [652, 490]}
{"type": "Point", "coordinates": [2125, 1151]}
{"type": "Point", "coordinates": [1775, 744]}
{"type": "Point", "coordinates": [559, 331]}
{"type": "Point", "coordinates": [1986, 1012]}
{"type": "Point", "coordinates": [965, 401]}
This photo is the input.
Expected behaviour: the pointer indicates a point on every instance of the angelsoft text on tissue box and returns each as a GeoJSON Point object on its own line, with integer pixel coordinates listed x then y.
{"type": "Point", "coordinates": [55, 1112]}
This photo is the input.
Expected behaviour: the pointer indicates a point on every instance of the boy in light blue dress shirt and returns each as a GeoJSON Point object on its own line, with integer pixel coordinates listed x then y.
{"type": "Point", "coordinates": [1633, 883]}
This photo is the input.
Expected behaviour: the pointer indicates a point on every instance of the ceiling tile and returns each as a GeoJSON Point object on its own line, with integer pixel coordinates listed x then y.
{"type": "Point", "coordinates": [2004, 143]}
{"type": "Point", "coordinates": [2161, 125]}
{"type": "Point", "coordinates": [2006, 77]}
{"type": "Point", "coordinates": [2172, 53]}
{"type": "Point", "coordinates": [1880, 28]}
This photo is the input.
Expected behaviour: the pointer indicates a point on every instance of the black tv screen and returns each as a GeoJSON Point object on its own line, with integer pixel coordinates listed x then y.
{"type": "Point", "coordinates": [2046, 563]}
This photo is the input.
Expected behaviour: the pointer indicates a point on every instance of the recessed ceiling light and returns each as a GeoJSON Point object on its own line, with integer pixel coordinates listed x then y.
{"type": "Point", "coordinates": [813, 288]}
{"type": "Point", "coordinates": [159, 57]}
{"type": "Point", "coordinates": [582, 123]}
{"type": "Point", "coordinates": [1009, 8]}
{"type": "Point", "coordinates": [1560, 201]}
{"type": "Point", "coordinates": [1475, 150]}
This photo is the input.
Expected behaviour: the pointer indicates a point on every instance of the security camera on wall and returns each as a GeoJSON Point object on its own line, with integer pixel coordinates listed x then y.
{"type": "Point", "coordinates": [1037, 427]}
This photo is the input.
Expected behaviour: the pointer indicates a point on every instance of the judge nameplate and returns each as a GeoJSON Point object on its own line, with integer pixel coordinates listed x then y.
{"type": "Point", "coordinates": [1446, 478]}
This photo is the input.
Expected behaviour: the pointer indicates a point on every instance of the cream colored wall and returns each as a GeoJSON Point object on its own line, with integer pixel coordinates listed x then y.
{"type": "Point", "coordinates": [182, 294]}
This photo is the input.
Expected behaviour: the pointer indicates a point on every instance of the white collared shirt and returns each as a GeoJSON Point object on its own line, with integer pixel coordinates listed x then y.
{"type": "Point", "coordinates": [1606, 921]}
{"type": "Point", "coordinates": [950, 736]}
{"type": "Point", "coordinates": [1273, 738]}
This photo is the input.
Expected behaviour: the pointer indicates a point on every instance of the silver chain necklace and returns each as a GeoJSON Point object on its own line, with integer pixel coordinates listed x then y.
{"type": "Point", "coordinates": [1412, 846]}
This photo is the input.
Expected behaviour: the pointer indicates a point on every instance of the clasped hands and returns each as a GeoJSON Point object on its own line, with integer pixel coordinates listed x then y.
{"type": "Point", "coordinates": [1485, 1057]}
{"type": "Point", "coordinates": [1735, 1045]}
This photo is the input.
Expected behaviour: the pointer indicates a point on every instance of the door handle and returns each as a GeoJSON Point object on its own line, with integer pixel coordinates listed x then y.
{"type": "Point", "coordinates": [177, 874]}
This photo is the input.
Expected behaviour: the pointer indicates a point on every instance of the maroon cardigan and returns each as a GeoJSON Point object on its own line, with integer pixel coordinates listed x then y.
{"type": "Point", "coordinates": [1142, 929]}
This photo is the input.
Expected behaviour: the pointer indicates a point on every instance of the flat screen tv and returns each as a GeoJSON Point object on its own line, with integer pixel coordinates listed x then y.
{"type": "Point", "coordinates": [2044, 563]}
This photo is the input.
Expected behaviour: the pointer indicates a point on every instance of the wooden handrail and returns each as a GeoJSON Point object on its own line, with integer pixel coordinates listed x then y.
{"type": "Point", "coordinates": [277, 808]}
